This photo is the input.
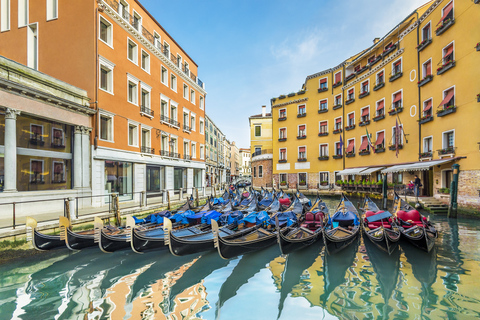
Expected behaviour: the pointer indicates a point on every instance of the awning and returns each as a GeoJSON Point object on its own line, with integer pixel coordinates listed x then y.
{"type": "Point", "coordinates": [448, 97]}
{"type": "Point", "coordinates": [380, 105]}
{"type": "Point", "coordinates": [380, 138]}
{"type": "Point", "coordinates": [350, 171]}
{"type": "Point", "coordinates": [323, 81]}
{"type": "Point", "coordinates": [365, 112]}
{"type": "Point", "coordinates": [364, 144]}
{"type": "Point", "coordinates": [417, 166]}
{"type": "Point", "coordinates": [398, 97]}
{"type": "Point", "coordinates": [446, 11]}
{"type": "Point", "coordinates": [369, 171]}
{"type": "Point", "coordinates": [428, 106]}
{"type": "Point", "coordinates": [351, 145]}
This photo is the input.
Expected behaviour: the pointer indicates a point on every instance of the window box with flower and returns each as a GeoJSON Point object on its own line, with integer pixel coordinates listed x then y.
{"type": "Point", "coordinates": [336, 84]}
{"type": "Point", "coordinates": [302, 137]}
{"type": "Point", "coordinates": [350, 127]}
{"type": "Point", "coordinates": [446, 151]}
{"type": "Point", "coordinates": [478, 45]}
{"type": "Point", "coordinates": [478, 97]}
{"type": "Point", "coordinates": [423, 44]}
{"type": "Point", "coordinates": [301, 115]}
{"type": "Point", "coordinates": [379, 86]}
{"type": "Point", "coordinates": [302, 159]}
{"type": "Point", "coordinates": [395, 76]}
{"type": "Point", "coordinates": [302, 183]}
{"type": "Point", "coordinates": [282, 96]}
{"type": "Point", "coordinates": [379, 148]}
{"type": "Point", "coordinates": [337, 156]}
{"type": "Point", "coordinates": [324, 183]}
{"type": "Point", "coordinates": [363, 123]}
{"type": "Point", "coordinates": [425, 80]}
{"type": "Point", "coordinates": [446, 110]}
{"type": "Point", "coordinates": [350, 77]}
{"type": "Point", "coordinates": [291, 94]}
{"type": "Point", "coordinates": [322, 110]}
{"type": "Point", "coordinates": [282, 160]}
{"type": "Point", "coordinates": [364, 152]}
{"type": "Point", "coordinates": [447, 23]}
{"type": "Point", "coordinates": [301, 92]}
{"type": "Point", "coordinates": [389, 49]}
{"type": "Point", "coordinates": [425, 155]}
{"type": "Point", "coordinates": [350, 154]}
{"type": "Point", "coordinates": [337, 131]}
{"type": "Point", "coordinates": [361, 70]}
{"type": "Point", "coordinates": [282, 118]}
{"type": "Point", "coordinates": [322, 89]}
{"type": "Point", "coordinates": [282, 139]}
{"type": "Point", "coordinates": [363, 94]}
{"type": "Point", "coordinates": [350, 101]}
{"type": "Point", "coordinates": [283, 183]}
{"type": "Point", "coordinates": [322, 134]}
{"type": "Point", "coordinates": [446, 66]}
{"type": "Point", "coordinates": [426, 119]}
{"type": "Point", "coordinates": [338, 106]}
{"type": "Point", "coordinates": [393, 147]}
{"type": "Point", "coordinates": [395, 110]}
{"type": "Point", "coordinates": [374, 61]}
{"type": "Point", "coordinates": [379, 117]}
{"type": "Point", "coordinates": [321, 158]}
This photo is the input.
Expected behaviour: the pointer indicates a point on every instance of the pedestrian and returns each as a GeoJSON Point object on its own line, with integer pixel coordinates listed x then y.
{"type": "Point", "coordinates": [418, 185]}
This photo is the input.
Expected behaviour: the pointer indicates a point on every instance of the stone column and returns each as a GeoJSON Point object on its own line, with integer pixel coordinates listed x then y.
{"type": "Point", "coordinates": [77, 158]}
{"type": "Point", "coordinates": [10, 150]}
{"type": "Point", "coordinates": [86, 157]}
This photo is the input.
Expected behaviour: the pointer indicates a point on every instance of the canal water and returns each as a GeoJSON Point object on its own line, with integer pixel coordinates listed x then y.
{"type": "Point", "coordinates": [358, 283]}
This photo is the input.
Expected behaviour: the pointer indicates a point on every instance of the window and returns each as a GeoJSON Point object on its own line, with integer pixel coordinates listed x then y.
{"type": "Point", "coordinates": [323, 128]}
{"type": "Point", "coordinates": [173, 82]}
{"type": "Point", "coordinates": [427, 68]}
{"type": "Point", "coordinates": [164, 76]}
{"type": "Point", "coordinates": [351, 94]}
{"type": "Point", "coordinates": [58, 138]}
{"type": "Point", "coordinates": [380, 140]}
{"type": "Point", "coordinates": [58, 172]}
{"type": "Point", "coordinates": [364, 87]}
{"type": "Point", "coordinates": [338, 123]}
{"type": "Point", "coordinates": [301, 110]}
{"type": "Point", "coordinates": [380, 78]}
{"type": "Point", "coordinates": [282, 113]}
{"type": "Point", "coordinates": [52, 9]}
{"type": "Point", "coordinates": [201, 127]}
{"type": "Point", "coordinates": [137, 21]}
{"type": "Point", "coordinates": [283, 178]}
{"type": "Point", "coordinates": [105, 31]}
{"type": "Point", "coordinates": [145, 61]}
{"type": "Point", "coordinates": [132, 51]}
{"type": "Point", "coordinates": [427, 108]}
{"type": "Point", "coordinates": [338, 149]}
{"type": "Point", "coordinates": [350, 146]}
{"type": "Point", "coordinates": [357, 67]}
{"type": "Point", "coordinates": [185, 91]}
{"type": "Point", "coordinates": [260, 171]}
{"type": "Point", "coordinates": [426, 32]}
{"type": "Point", "coordinates": [397, 100]}
{"type": "Point", "coordinates": [145, 99]}
{"type": "Point", "coordinates": [448, 54]}
{"type": "Point", "coordinates": [185, 148]}
{"type": "Point", "coordinates": [448, 140]}
{"type": "Point", "coordinates": [323, 177]}
{"type": "Point", "coordinates": [36, 134]}
{"type": "Point", "coordinates": [201, 103]}
{"type": "Point", "coordinates": [448, 99]}
{"type": "Point", "coordinates": [106, 75]}
{"type": "Point", "coordinates": [302, 178]}
{"type": "Point", "coordinates": [5, 17]}
{"type": "Point", "coordinates": [380, 108]}
{"type": "Point", "coordinates": [22, 13]}
{"type": "Point", "coordinates": [302, 132]}
{"type": "Point", "coordinates": [397, 67]}
{"type": "Point", "coordinates": [323, 83]}
{"type": "Point", "coordinates": [192, 122]}
{"type": "Point", "coordinates": [132, 92]}
{"type": "Point", "coordinates": [365, 146]}
{"type": "Point", "coordinates": [351, 119]}
{"type": "Point", "coordinates": [283, 133]}
{"type": "Point", "coordinates": [427, 145]}
{"type": "Point", "coordinates": [36, 171]}
{"type": "Point", "coordinates": [365, 116]}
{"type": "Point", "coordinates": [194, 150]}
{"type": "Point", "coordinates": [447, 13]}
{"type": "Point", "coordinates": [123, 9]}
{"type": "Point", "coordinates": [166, 49]}
{"type": "Point", "coordinates": [173, 112]}
{"type": "Point", "coordinates": [132, 135]}
{"type": "Point", "coordinates": [202, 152]}
{"type": "Point", "coordinates": [32, 46]}
{"type": "Point", "coordinates": [186, 120]}
{"type": "Point", "coordinates": [283, 154]}
{"type": "Point", "coordinates": [323, 104]}
{"type": "Point", "coordinates": [106, 127]}
{"type": "Point", "coordinates": [338, 78]}
{"type": "Point", "coordinates": [254, 172]}
{"type": "Point", "coordinates": [323, 152]}
{"type": "Point", "coordinates": [338, 100]}
{"type": "Point", "coordinates": [397, 178]}
{"type": "Point", "coordinates": [371, 59]}
{"type": "Point", "coordinates": [258, 131]}
{"type": "Point", "coordinates": [302, 153]}
{"type": "Point", "coordinates": [397, 137]}
{"type": "Point", "coordinates": [192, 96]}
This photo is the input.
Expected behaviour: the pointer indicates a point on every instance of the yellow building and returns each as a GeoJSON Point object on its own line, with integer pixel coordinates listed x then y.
{"type": "Point", "coordinates": [420, 80]}
{"type": "Point", "coordinates": [261, 147]}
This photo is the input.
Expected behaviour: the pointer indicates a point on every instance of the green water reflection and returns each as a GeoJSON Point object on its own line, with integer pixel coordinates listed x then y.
{"type": "Point", "coordinates": [359, 282]}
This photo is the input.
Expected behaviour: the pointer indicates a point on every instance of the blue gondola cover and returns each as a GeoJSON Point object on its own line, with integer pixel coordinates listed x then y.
{"type": "Point", "coordinates": [210, 215]}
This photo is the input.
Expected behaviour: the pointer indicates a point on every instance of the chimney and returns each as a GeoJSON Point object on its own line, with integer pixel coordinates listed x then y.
{"type": "Point", "coordinates": [264, 111]}
{"type": "Point", "coordinates": [376, 40]}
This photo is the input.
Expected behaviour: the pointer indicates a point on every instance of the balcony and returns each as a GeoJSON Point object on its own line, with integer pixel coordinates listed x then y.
{"type": "Point", "coordinates": [395, 76]}
{"type": "Point", "coordinates": [374, 61]}
{"type": "Point", "coordinates": [337, 131]}
{"type": "Point", "coordinates": [388, 50]}
{"type": "Point", "coordinates": [169, 121]}
{"type": "Point", "coordinates": [282, 118]}
{"type": "Point", "coordinates": [364, 123]}
{"type": "Point", "coordinates": [446, 66]}
{"type": "Point", "coordinates": [337, 156]}
{"type": "Point", "coordinates": [425, 80]}
{"type": "Point", "coordinates": [323, 158]}
{"type": "Point", "coordinates": [447, 23]}
{"type": "Point", "coordinates": [363, 94]}
{"type": "Point", "coordinates": [446, 110]}
{"type": "Point", "coordinates": [322, 89]}
{"type": "Point", "coordinates": [425, 155]}
{"type": "Point", "coordinates": [260, 152]}
{"type": "Point", "coordinates": [323, 134]}
{"type": "Point", "coordinates": [379, 117]}
{"type": "Point", "coordinates": [423, 44]}
{"type": "Point", "coordinates": [379, 148]}
{"type": "Point", "coordinates": [393, 147]}
{"type": "Point", "coordinates": [145, 149]}
{"type": "Point", "coordinates": [187, 157]}
{"type": "Point", "coordinates": [322, 110]}
{"type": "Point", "coordinates": [364, 152]}
{"type": "Point", "coordinates": [350, 127]}
{"type": "Point", "coordinates": [187, 128]}
{"type": "Point", "coordinates": [302, 137]}
{"type": "Point", "coordinates": [339, 83]}
{"type": "Point", "coordinates": [426, 119]}
{"type": "Point", "coordinates": [379, 86]}
{"type": "Point", "coordinates": [350, 77]}
{"type": "Point", "coordinates": [301, 115]}
{"type": "Point", "coordinates": [361, 70]}
{"type": "Point", "coordinates": [337, 106]}
{"type": "Point", "coordinates": [449, 151]}
{"type": "Point", "coordinates": [282, 139]}
{"type": "Point", "coordinates": [395, 111]}
{"type": "Point", "coordinates": [352, 100]}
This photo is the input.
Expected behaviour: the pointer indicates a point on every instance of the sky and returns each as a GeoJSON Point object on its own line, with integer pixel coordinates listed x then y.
{"type": "Point", "coordinates": [249, 51]}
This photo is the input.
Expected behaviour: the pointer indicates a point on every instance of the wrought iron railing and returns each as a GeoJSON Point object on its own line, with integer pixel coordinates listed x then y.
{"type": "Point", "coordinates": [146, 110]}
{"type": "Point", "coordinates": [145, 149]}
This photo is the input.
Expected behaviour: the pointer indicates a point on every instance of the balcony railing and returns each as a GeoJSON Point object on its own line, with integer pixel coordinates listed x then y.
{"type": "Point", "coordinates": [145, 149]}
{"type": "Point", "coordinates": [187, 128]}
{"type": "Point", "coordinates": [147, 111]}
{"type": "Point", "coordinates": [447, 151]}
{"type": "Point", "coordinates": [264, 151]}
{"type": "Point", "coordinates": [170, 121]}
{"type": "Point", "coordinates": [187, 157]}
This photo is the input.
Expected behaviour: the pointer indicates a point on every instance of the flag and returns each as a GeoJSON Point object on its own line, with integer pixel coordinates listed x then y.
{"type": "Point", "coordinates": [370, 141]}
{"type": "Point", "coordinates": [341, 146]}
{"type": "Point", "coordinates": [397, 138]}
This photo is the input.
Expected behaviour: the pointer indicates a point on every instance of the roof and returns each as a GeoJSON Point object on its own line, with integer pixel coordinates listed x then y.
{"type": "Point", "coordinates": [260, 116]}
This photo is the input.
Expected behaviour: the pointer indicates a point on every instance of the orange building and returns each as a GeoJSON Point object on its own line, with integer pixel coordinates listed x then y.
{"type": "Point", "coordinates": [148, 128]}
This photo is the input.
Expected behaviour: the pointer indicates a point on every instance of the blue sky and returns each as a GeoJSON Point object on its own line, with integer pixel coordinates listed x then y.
{"type": "Point", "coordinates": [249, 51]}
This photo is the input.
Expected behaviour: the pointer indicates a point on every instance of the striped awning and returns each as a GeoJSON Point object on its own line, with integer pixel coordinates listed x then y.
{"type": "Point", "coordinates": [417, 166]}
{"type": "Point", "coordinates": [369, 171]}
{"type": "Point", "coordinates": [350, 171]}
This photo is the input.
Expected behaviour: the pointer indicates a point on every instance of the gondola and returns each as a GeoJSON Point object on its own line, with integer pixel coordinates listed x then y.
{"type": "Point", "coordinates": [305, 233]}
{"type": "Point", "coordinates": [342, 228]}
{"type": "Point", "coordinates": [250, 239]}
{"type": "Point", "coordinates": [413, 226]}
{"type": "Point", "coordinates": [41, 241]}
{"type": "Point", "coordinates": [379, 229]}
{"type": "Point", "coordinates": [77, 240]}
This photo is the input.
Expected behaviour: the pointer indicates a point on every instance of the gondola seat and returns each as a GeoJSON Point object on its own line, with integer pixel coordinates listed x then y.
{"type": "Point", "coordinates": [284, 202]}
{"type": "Point", "coordinates": [376, 224]}
{"type": "Point", "coordinates": [412, 218]}
{"type": "Point", "coordinates": [309, 221]}
{"type": "Point", "coordinates": [319, 216]}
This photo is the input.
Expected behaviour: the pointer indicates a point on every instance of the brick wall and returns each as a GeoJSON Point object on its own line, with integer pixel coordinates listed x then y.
{"type": "Point", "coordinates": [266, 179]}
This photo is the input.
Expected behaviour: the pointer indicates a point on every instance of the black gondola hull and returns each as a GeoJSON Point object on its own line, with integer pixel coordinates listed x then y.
{"type": "Point", "coordinates": [334, 244]}
{"type": "Point", "coordinates": [228, 249]}
{"type": "Point", "coordinates": [45, 242]}
{"type": "Point", "coordinates": [108, 243]}
{"type": "Point", "coordinates": [387, 241]}
{"type": "Point", "coordinates": [288, 245]}
{"type": "Point", "coordinates": [141, 243]}
{"type": "Point", "coordinates": [183, 246]}
{"type": "Point", "coordinates": [422, 239]}
{"type": "Point", "coordinates": [76, 241]}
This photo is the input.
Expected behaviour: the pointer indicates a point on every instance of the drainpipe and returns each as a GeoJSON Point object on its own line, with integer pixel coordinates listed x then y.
{"type": "Point", "coordinates": [452, 209]}
{"type": "Point", "coordinates": [343, 116]}
{"type": "Point", "coordinates": [419, 92]}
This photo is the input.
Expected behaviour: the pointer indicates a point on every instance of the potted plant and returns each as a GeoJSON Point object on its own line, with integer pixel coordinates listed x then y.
{"type": "Point", "coordinates": [302, 182]}
{"type": "Point", "coordinates": [291, 94]}
{"type": "Point", "coordinates": [339, 182]}
{"type": "Point", "coordinates": [478, 97]}
{"type": "Point", "coordinates": [283, 183]}
{"type": "Point", "coordinates": [324, 183]}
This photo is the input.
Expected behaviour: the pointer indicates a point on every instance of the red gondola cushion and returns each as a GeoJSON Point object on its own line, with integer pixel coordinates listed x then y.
{"type": "Point", "coordinates": [369, 213]}
{"type": "Point", "coordinates": [285, 202]}
{"type": "Point", "coordinates": [319, 216]}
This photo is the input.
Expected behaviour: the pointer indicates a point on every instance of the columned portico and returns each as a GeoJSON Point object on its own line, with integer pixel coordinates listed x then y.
{"type": "Point", "coordinates": [11, 150]}
{"type": "Point", "coordinates": [77, 158]}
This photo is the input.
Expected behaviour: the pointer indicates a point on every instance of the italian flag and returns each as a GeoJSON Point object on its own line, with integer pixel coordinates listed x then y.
{"type": "Point", "coordinates": [372, 146]}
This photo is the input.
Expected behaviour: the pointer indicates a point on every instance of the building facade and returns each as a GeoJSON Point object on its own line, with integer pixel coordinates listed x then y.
{"type": "Point", "coordinates": [245, 163]}
{"type": "Point", "coordinates": [405, 106]}
{"type": "Point", "coordinates": [234, 161]}
{"type": "Point", "coordinates": [262, 149]}
{"type": "Point", "coordinates": [149, 104]}
{"type": "Point", "coordinates": [215, 156]}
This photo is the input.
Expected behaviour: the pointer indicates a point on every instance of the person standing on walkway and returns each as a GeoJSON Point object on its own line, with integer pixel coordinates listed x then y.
{"type": "Point", "coordinates": [417, 184]}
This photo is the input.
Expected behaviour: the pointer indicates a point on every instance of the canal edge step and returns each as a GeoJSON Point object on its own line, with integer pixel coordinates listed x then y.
{"type": "Point", "coordinates": [433, 205]}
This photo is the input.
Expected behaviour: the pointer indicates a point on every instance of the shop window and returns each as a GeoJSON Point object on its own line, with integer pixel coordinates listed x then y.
{"type": "Point", "coordinates": [119, 179]}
